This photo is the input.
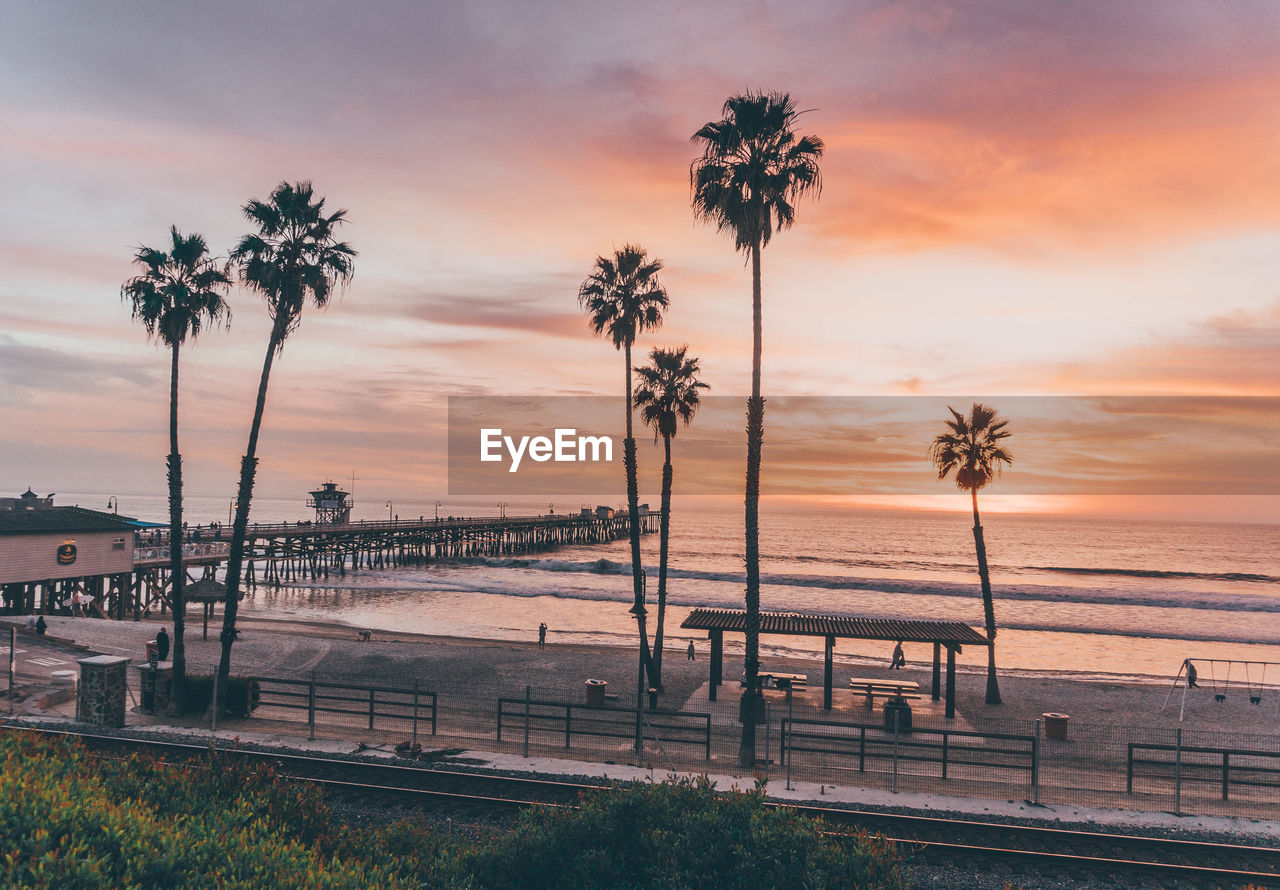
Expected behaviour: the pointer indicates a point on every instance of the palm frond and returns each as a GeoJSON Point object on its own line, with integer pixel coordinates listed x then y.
{"type": "Point", "coordinates": [668, 393]}
{"type": "Point", "coordinates": [293, 257]}
{"type": "Point", "coordinates": [971, 449]}
{"type": "Point", "coordinates": [622, 296]}
{"type": "Point", "coordinates": [180, 291]}
{"type": "Point", "coordinates": [753, 168]}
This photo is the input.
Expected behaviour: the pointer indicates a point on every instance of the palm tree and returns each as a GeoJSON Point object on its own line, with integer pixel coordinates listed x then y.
{"type": "Point", "coordinates": [972, 448]}
{"type": "Point", "coordinates": [178, 294]}
{"type": "Point", "coordinates": [623, 298]}
{"type": "Point", "coordinates": [292, 258]}
{"type": "Point", "coordinates": [668, 394]}
{"type": "Point", "coordinates": [752, 172]}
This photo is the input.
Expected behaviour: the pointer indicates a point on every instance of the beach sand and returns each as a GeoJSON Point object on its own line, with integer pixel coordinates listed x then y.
{"type": "Point", "coordinates": [485, 669]}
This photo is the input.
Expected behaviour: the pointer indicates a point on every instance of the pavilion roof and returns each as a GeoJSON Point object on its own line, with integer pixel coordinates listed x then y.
{"type": "Point", "coordinates": [809, 624]}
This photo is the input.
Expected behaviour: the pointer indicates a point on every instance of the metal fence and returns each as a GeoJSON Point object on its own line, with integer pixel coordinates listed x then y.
{"type": "Point", "coordinates": [387, 708]}
{"type": "Point", "coordinates": [661, 728]}
{"type": "Point", "coordinates": [1158, 769]}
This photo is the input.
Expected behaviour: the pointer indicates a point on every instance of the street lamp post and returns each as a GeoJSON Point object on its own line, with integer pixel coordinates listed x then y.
{"type": "Point", "coordinates": [113, 504]}
{"type": "Point", "coordinates": [389, 507]}
{"type": "Point", "coordinates": [502, 510]}
{"type": "Point", "coordinates": [231, 509]}
{"type": "Point", "coordinates": [438, 506]}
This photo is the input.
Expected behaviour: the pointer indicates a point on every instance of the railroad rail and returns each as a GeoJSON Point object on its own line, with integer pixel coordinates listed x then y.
{"type": "Point", "coordinates": [930, 839]}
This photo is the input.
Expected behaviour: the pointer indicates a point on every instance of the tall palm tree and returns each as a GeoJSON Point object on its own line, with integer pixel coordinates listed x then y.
{"type": "Point", "coordinates": [180, 292]}
{"type": "Point", "coordinates": [623, 298]}
{"type": "Point", "coordinates": [973, 449]}
{"type": "Point", "coordinates": [752, 172]}
{"type": "Point", "coordinates": [667, 395]}
{"type": "Point", "coordinates": [292, 258]}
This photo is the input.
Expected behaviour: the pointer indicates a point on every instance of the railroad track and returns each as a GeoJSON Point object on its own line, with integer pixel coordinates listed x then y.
{"type": "Point", "coordinates": [924, 839]}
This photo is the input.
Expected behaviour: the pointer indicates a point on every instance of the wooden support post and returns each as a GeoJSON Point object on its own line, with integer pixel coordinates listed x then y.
{"type": "Point", "coordinates": [951, 682]}
{"type": "Point", "coordinates": [826, 673]}
{"type": "Point", "coordinates": [717, 655]}
{"type": "Point", "coordinates": [936, 693]}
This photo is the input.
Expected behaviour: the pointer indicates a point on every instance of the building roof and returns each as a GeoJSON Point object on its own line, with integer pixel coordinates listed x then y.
{"type": "Point", "coordinates": [56, 520]}
{"type": "Point", "coordinates": [805, 624]}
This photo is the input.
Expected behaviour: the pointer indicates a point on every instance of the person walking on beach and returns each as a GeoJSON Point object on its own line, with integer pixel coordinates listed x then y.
{"type": "Point", "coordinates": [542, 635]}
{"type": "Point", "coordinates": [1191, 676]}
{"type": "Point", "coordinates": [899, 660]}
{"type": "Point", "coordinates": [162, 645]}
{"type": "Point", "coordinates": [41, 626]}
{"type": "Point", "coordinates": [691, 650]}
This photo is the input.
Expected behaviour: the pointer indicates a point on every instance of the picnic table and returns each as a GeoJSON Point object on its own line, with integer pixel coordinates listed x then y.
{"type": "Point", "coordinates": [769, 679]}
{"type": "Point", "coordinates": [878, 686]}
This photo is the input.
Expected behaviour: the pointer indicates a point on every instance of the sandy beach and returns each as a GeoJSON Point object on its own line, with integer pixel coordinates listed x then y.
{"type": "Point", "coordinates": [487, 668]}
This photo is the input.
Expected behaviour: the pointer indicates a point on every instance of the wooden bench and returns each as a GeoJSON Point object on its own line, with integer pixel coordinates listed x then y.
{"type": "Point", "coordinates": [769, 679]}
{"type": "Point", "coordinates": [872, 687]}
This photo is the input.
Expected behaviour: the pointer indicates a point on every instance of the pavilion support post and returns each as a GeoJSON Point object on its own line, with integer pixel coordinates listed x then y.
{"type": "Point", "coordinates": [951, 682]}
{"type": "Point", "coordinates": [936, 692]}
{"type": "Point", "coordinates": [717, 656]}
{"type": "Point", "coordinates": [826, 673]}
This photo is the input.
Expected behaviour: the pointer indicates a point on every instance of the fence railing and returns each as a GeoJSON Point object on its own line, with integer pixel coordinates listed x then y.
{"type": "Point", "coordinates": [946, 748]}
{"type": "Point", "coordinates": [570, 719]}
{"type": "Point", "coordinates": [1203, 764]}
{"type": "Point", "coordinates": [386, 707]}
{"type": "Point", "coordinates": [1201, 771]}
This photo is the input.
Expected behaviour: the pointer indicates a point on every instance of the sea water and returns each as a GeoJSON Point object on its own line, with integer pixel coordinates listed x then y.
{"type": "Point", "coordinates": [1077, 595]}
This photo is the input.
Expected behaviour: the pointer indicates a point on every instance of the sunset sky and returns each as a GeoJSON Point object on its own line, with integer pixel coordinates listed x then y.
{"type": "Point", "coordinates": [1018, 199]}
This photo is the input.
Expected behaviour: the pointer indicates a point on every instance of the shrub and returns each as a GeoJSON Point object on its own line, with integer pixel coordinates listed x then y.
{"type": "Point", "coordinates": [681, 833]}
{"type": "Point", "coordinates": [70, 820]}
{"type": "Point", "coordinates": [76, 822]}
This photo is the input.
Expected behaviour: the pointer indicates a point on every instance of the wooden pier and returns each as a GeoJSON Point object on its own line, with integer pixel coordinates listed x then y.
{"type": "Point", "coordinates": [306, 551]}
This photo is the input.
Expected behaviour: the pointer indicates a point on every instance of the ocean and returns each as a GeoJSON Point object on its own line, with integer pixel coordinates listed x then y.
{"type": "Point", "coordinates": [1089, 597]}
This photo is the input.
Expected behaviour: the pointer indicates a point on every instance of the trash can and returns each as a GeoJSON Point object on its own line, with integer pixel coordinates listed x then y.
{"type": "Point", "coordinates": [897, 706]}
{"type": "Point", "coordinates": [153, 651]}
{"type": "Point", "coordinates": [1055, 726]}
{"type": "Point", "coordinates": [595, 691]}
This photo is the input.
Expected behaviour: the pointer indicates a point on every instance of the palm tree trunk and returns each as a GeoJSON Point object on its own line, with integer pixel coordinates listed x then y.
{"type": "Point", "coordinates": [664, 536]}
{"type": "Point", "coordinates": [988, 605]}
{"type": "Point", "coordinates": [755, 440]}
{"type": "Point", "coordinates": [176, 570]}
{"type": "Point", "coordinates": [239, 530]}
{"type": "Point", "coordinates": [633, 527]}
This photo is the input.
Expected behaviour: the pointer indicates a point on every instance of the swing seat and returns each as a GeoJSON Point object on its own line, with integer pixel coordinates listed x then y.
{"type": "Point", "coordinates": [1255, 699]}
{"type": "Point", "coordinates": [1220, 697]}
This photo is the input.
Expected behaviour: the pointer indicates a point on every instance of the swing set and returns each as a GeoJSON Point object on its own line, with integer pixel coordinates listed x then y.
{"type": "Point", "coordinates": [1251, 675]}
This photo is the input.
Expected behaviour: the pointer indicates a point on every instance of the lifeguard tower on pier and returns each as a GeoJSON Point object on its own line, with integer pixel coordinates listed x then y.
{"type": "Point", "coordinates": [332, 504]}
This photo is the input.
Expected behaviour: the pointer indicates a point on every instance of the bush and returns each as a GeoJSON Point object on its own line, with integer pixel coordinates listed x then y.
{"type": "Point", "coordinates": [69, 820]}
{"type": "Point", "coordinates": [681, 834]}
{"type": "Point", "coordinates": [72, 821]}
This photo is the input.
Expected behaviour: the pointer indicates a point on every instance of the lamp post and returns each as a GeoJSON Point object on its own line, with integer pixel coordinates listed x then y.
{"type": "Point", "coordinates": [113, 504]}
{"type": "Point", "coordinates": [389, 507]}
{"type": "Point", "coordinates": [502, 510]}
{"type": "Point", "coordinates": [231, 509]}
{"type": "Point", "coordinates": [438, 506]}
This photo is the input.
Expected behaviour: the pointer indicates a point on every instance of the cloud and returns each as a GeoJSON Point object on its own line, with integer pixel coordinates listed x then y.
{"type": "Point", "coordinates": [51, 370]}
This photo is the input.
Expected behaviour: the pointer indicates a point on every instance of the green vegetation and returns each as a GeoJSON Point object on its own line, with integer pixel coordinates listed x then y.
{"type": "Point", "coordinates": [752, 172]}
{"type": "Point", "coordinates": [623, 298]}
{"type": "Point", "coordinates": [178, 294]}
{"type": "Point", "coordinates": [74, 821]}
{"type": "Point", "coordinates": [668, 394]}
{"type": "Point", "coordinates": [972, 448]}
{"type": "Point", "coordinates": [294, 258]}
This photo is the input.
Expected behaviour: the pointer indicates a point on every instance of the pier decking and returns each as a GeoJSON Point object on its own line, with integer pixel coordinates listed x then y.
{"type": "Point", "coordinates": [306, 551]}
